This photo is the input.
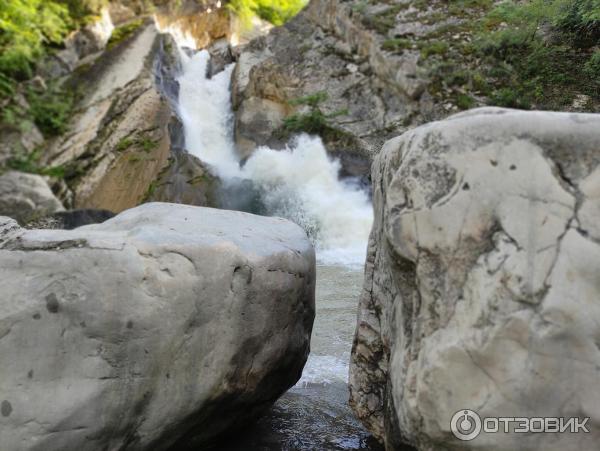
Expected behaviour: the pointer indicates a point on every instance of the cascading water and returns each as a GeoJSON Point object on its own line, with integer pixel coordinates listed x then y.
{"type": "Point", "coordinates": [300, 183]}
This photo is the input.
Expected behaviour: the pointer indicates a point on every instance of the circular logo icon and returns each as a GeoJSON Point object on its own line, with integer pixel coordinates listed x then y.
{"type": "Point", "coordinates": [465, 425]}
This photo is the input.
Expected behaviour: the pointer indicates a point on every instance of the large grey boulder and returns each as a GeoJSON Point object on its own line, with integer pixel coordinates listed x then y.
{"type": "Point", "coordinates": [482, 287]}
{"type": "Point", "coordinates": [25, 197]}
{"type": "Point", "coordinates": [163, 326]}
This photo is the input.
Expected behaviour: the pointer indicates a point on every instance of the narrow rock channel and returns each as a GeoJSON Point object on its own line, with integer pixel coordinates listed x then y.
{"type": "Point", "coordinates": [301, 183]}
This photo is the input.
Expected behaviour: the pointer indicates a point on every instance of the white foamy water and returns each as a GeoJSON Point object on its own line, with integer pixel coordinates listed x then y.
{"type": "Point", "coordinates": [300, 183]}
{"type": "Point", "coordinates": [323, 370]}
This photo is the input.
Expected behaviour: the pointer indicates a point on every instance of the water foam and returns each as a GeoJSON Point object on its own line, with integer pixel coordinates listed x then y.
{"type": "Point", "coordinates": [323, 370]}
{"type": "Point", "coordinates": [300, 182]}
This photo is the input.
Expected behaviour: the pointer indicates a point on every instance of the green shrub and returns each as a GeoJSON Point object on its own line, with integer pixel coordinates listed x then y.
{"type": "Point", "coordinates": [276, 12]}
{"type": "Point", "coordinates": [26, 27]}
{"type": "Point", "coordinates": [581, 17]}
{"type": "Point", "coordinates": [312, 100]}
{"type": "Point", "coordinates": [464, 101]}
{"type": "Point", "coordinates": [548, 68]}
{"type": "Point", "coordinates": [29, 162]}
{"type": "Point", "coordinates": [510, 98]}
{"type": "Point", "coordinates": [434, 48]}
{"type": "Point", "coordinates": [51, 109]}
{"type": "Point", "coordinates": [123, 32]}
{"type": "Point", "coordinates": [396, 44]}
{"type": "Point", "coordinates": [82, 11]}
{"type": "Point", "coordinates": [314, 122]}
{"type": "Point", "coordinates": [592, 66]}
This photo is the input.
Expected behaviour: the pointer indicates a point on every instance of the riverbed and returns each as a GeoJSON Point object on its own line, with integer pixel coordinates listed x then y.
{"type": "Point", "coordinates": [314, 414]}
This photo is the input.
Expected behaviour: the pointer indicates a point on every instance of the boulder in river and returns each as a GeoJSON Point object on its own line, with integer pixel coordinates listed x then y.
{"type": "Point", "coordinates": [158, 329]}
{"type": "Point", "coordinates": [481, 289]}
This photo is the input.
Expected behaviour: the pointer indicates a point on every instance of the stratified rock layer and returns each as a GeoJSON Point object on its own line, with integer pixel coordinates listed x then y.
{"type": "Point", "coordinates": [482, 286]}
{"type": "Point", "coordinates": [159, 328]}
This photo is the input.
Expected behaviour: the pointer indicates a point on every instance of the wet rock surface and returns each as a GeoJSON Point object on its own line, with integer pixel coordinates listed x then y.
{"type": "Point", "coordinates": [481, 288]}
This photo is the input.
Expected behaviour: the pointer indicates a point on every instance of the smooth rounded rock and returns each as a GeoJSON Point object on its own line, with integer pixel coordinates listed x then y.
{"type": "Point", "coordinates": [162, 327]}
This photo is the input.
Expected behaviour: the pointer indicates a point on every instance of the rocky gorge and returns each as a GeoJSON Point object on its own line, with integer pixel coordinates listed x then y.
{"type": "Point", "coordinates": [137, 318]}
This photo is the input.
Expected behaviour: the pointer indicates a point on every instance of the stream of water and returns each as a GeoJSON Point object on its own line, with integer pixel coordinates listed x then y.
{"type": "Point", "coordinates": [300, 183]}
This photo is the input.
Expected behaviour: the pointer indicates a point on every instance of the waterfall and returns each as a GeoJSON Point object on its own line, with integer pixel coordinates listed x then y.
{"type": "Point", "coordinates": [300, 183]}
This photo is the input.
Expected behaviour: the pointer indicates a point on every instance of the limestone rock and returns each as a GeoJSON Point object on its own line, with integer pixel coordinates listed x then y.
{"type": "Point", "coordinates": [24, 197]}
{"type": "Point", "coordinates": [481, 289]}
{"type": "Point", "coordinates": [120, 141]}
{"type": "Point", "coordinates": [120, 13]}
{"type": "Point", "coordinates": [14, 141]}
{"type": "Point", "coordinates": [220, 56]}
{"type": "Point", "coordinates": [186, 180]}
{"type": "Point", "coordinates": [371, 94]}
{"type": "Point", "coordinates": [90, 39]}
{"type": "Point", "coordinates": [159, 328]}
{"type": "Point", "coordinates": [203, 24]}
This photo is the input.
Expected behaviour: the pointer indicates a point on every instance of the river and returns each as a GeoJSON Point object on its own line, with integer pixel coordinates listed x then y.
{"type": "Point", "coordinates": [300, 183]}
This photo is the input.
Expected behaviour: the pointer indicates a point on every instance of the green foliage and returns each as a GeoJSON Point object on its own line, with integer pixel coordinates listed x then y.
{"type": "Point", "coordinates": [314, 122]}
{"type": "Point", "coordinates": [29, 162]}
{"type": "Point", "coordinates": [29, 27]}
{"type": "Point", "coordinates": [276, 12]}
{"type": "Point", "coordinates": [434, 48]}
{"type": "Point", "coordinates": [123, 32]}
{"type": "Point", "coordinates": [151, 190]}
{"type": "Point", "coordinates": [51, 109]}
{"type": "Point", "coordinates": [527, 70]}
{"type": "Point", "coordinates": [396, 44]}
{"type": "Point", "coordinates": [464, 101]}
{"type": "Point", "coordinates": [140, 142]}
{"type": "Point", "coordinates": [460, 7]}
{"type": "Point", "coordinates": [147, 144]}
{"type": "Point", "coordinates": [82, 11]}
{"type": "Point", "coordinates": [312, 100]}
{"type": "Point", "coordinates": [592, 66]}
{"type": "Point", "coordinates": [26, 27]}
{"type": "Point", "coordinates": [124, 144]}
{"type": "Point", "coordinates": [580, 17]}
{"type": "Point", "coordinates": [510, 98]}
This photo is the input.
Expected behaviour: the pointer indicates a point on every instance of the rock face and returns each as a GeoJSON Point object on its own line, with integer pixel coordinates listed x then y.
{"type": "Point", "coordinates": [186, 180]}
{"type": "Point", "coordinates": [371, 93]}
{"type": "Point", "coordinates": [90, 39]}
{"type": "Point", "coordinates": [159, 328]}
{"type": "Point", "coordinates": [25, 197]}
{"type": "Point", "coordinates": [120, 140]}
{"type": "Point", "coordinates": [202, 22]}
{"type": "Point", "coordinates": [481, 288]}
